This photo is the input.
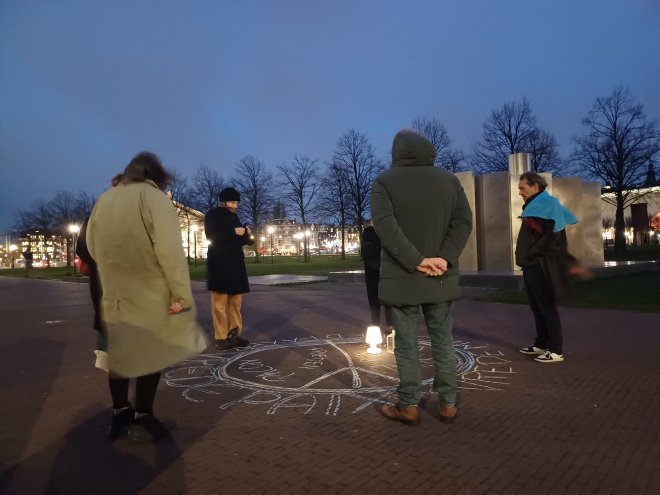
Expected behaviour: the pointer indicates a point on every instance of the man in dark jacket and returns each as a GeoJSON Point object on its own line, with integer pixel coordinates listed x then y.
{"type": "Point", "coordinates": [423, 219]}
{"type": "Point", "coordinates": [542, 254]}
{"type": "Point", "coordinates": [226, 274]}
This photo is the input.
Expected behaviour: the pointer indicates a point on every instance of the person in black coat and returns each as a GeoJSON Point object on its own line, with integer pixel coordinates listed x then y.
{"type": "Point", "coordinates": [226, 274]}
{"type": "Point", "coordinates": [123, 413]}
{"type": "Point", "coordinates": [547, 266]}
{"type": "Point", "coordinates": [370, 252]}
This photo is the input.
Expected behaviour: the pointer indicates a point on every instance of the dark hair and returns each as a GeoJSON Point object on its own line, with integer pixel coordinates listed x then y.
{"type": "Point", "coordinates": [144, 166]}
{"type": "Point", "coordinates": [534, 178]}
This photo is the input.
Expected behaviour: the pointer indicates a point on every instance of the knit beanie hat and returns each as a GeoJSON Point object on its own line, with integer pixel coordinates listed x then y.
{"type": "Point", "coordinates": [230, 194]}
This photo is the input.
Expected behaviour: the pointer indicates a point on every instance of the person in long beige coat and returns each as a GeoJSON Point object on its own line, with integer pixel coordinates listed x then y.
{"type": "Point", "coordinates": [147, 307]}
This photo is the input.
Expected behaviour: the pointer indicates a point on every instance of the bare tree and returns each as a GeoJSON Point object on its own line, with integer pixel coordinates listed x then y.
{"type": "Point", "coordinates": [616, 149]}
{"type": "Point", "coordinates": [454, 160]}
{"type": "Point", "coordinates": [512, 129]}
{"type": "Point", "coordinates": [83, 205]}
{"type": "Point", "coordinates": [62, 208]}
{"type": "Point", "coordinates": [334, 200]}
{"type": "Point", "coordinates": [300, 182]}
{"type": "Point", "coordinates": [56, 215]}
{"type": "Point", "coordinates": [544, 156]}
{"type": "Point", "coordinates": [206, 187]}
{"type": "Point", "coordinates": [433, 130]}
{"type": "Point", "coordinates": [445, 156]}
{"type": "Point", "coordinates": [279, 209]}
{"type": "Point", "coordinates": [23, 222]}
{"type": "Point", "coordinates": [355, 156]}
{"type": "Point", "coordinates": [254, 183]}
{"type": "Point", "coordinates": [41, 217]}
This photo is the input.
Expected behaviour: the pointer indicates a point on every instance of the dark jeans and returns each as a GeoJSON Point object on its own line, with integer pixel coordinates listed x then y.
{"type": "Point", "coordinates": [145, 392]}
{"type": "Point", "coordinates": [541, 297]}
{"type": "Point", "coordinates": [439, 324]}
{"type": "Point", "coordinates": [371, 278]}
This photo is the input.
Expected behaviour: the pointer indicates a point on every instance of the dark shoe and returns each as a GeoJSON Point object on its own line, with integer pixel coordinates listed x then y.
{"type": "Point", "coordinates": [408, 415]}
{"type": "Point", "coordinates": [120, 423]}
{"type": "Point", "coordinates": [224, 344]}
{"type": "Point", "coordinates": [236, 340]}
{"type": "Point", "coordinates": [448, 414]}
{"type": "Point", "coordinates": [532, 350]}
{"type": "Point", "coordinates": [148, 427]}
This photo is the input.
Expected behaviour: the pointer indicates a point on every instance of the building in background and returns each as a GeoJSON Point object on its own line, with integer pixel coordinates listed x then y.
{"type": "Point", "coordinates": [642, 216]}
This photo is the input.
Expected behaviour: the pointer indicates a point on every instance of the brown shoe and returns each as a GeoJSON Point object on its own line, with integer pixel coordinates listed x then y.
{"type": "Point", "coordinates": [448, 414]}
{"type": "Point", "coordinates": [408, 415]}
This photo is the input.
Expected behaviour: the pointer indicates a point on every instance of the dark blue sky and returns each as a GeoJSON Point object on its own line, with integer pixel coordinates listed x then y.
{"type": "Point", "coordinates": [84, 85]}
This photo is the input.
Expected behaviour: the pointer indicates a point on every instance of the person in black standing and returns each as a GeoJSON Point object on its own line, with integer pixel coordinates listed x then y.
{"type": "Point", "coordinates": [370, 247]}
{"type": "Point", "coordinates": [547, 266]}
{"type": "Point", "coordinates": [226, 274]}
{"type": "Point", "coordinates": [29, 257]}
{"type": "Point", "coordinates": [91, 270]}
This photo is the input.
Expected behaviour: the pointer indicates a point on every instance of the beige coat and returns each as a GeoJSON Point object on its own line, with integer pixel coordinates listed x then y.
{"type": "Point", "coordinates": [134, 236]}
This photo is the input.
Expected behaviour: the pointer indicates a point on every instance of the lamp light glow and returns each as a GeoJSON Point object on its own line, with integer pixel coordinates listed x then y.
{"type": "Point", "coordinates": [374, 338]}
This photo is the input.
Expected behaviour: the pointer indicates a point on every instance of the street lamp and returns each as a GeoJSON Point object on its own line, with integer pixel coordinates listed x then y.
{"type": "Point", "coordinates": [74, 229]}
{"type": "Point", "coordinates": [195, 228]}
{"type": "Point", "coordinates": [271, 231]}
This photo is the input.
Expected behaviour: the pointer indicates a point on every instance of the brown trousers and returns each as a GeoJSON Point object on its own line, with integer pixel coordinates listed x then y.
{"type": "Point", "coordinates": [226, 311]}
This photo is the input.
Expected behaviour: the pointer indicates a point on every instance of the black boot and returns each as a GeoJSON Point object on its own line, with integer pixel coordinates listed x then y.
{"type": "Point", "coordinates": [224, 344]}
{"type": "Point", "coordinates": [236, 340]}
{"type": "Point", "coordinates": [120, 422]}
{"type": "Point", "coordinates": [148, 427]}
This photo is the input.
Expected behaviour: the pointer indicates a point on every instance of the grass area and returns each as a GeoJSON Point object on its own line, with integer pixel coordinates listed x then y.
{"type": "Point", "coordinates": [633, 292]}
{"type": "Point", "coordinates": [634, 253]}
{"type": "Point", "coordinates": [281, 265]}
{"type": "Point", "coordinates": [41, 273]}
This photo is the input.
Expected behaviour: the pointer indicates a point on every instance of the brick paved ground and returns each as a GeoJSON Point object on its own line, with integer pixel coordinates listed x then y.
{"type": "Point", "coordinates": [274, 419]}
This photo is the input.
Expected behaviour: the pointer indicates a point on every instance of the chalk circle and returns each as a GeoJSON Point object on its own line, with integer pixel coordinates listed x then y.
{"type": "Point", "coordinates": [334, 366]}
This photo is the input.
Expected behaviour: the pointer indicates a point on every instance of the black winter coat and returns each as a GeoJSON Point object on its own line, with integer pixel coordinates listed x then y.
{"type": "Point", "coordinates": [538, 244]}
{"type": "Point", "coordinates": [225, 264]}
{"type": "Point", "coordinates": [94, 282]}
{"type": "Point", "coordinates": [370, 249]}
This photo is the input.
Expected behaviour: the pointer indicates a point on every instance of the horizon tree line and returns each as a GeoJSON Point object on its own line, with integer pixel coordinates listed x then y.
{"type": "Point", "coordinates": [617, 149]}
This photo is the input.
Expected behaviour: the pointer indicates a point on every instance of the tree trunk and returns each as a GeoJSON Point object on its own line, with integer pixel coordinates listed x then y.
{"type": "Point", "coordinates": [69, 254]}
{"type": "Point", "coordinates": [619, 227]}
{"type": "Point", "coordinates": [343, 241]}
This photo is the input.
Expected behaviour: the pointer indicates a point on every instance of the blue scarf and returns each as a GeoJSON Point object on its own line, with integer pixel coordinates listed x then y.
{"type": "Point", "coordinates": [549, 208]}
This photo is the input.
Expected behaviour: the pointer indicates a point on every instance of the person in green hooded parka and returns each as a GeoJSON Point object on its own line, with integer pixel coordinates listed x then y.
{"type": "Point", "coordinates": [423, 219]}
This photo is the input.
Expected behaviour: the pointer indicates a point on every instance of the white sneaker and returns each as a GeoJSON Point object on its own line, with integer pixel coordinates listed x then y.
{"type": "Point", "coordinates": [549, 357]}
{"type": "Point", "coordinates": [532, 350]}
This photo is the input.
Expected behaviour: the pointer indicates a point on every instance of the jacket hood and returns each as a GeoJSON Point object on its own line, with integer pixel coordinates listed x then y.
{"type": "Point", "coordinates": [410, 148]}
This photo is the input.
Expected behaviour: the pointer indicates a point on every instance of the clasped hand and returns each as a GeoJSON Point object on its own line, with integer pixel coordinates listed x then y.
{"type": "Point", "coordinates": [175, 308]}
{"type": "Point", "coordinates": [433, 267]}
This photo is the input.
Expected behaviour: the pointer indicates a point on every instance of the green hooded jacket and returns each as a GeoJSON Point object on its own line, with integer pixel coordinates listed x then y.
{"type": "Point", "coordinates": [419, 211]}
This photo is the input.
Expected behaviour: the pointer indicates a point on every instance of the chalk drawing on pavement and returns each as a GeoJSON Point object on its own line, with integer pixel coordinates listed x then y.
{"type": "Point", "coordinates": [331, 374]}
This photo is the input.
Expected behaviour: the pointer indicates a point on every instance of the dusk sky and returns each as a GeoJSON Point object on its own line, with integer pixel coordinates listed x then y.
{"type": "Point", "coordinates": [85, 85]}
